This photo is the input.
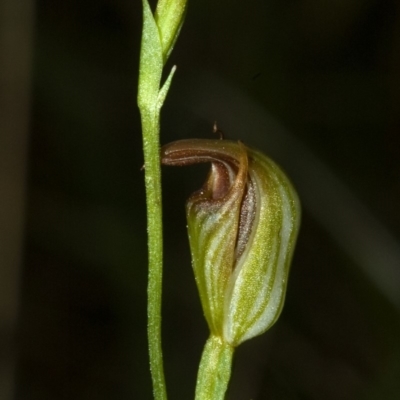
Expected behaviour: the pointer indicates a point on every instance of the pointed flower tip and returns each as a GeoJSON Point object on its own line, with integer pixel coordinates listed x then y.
{"type": "Point", "coordinates": [243, 225]}
{"type": "Point", "coordinates": [169, 17]}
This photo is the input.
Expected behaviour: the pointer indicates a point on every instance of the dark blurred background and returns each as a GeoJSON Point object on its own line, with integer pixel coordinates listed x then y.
{"type": "Point", "coordinates": [314, 84]}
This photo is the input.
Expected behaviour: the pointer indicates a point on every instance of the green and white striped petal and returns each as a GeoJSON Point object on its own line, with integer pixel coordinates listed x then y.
{"type": "Point", "coordinates": [242, 228]}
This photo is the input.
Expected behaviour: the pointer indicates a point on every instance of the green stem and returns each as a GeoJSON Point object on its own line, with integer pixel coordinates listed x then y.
{"type": "Point", "coordinates": [215, 370]}
{"type": "Point", "coordinates": [153, 54]}
{"type": "Point", "coordinates": [151, 130]}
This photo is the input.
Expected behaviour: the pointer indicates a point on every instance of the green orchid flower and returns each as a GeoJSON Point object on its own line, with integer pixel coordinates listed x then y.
{"type": "Point", "coordinates": [243, 225]}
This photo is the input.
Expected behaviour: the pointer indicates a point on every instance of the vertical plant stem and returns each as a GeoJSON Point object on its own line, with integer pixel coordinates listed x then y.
{"type": "Point", "coordinates": [151, 129]}
{"type": "Point", "coordinates": [150, 70]}
{"type": "Point", "coordinates": [154, 52]}
{"type": "Point", "coordinates": [215, 370]}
